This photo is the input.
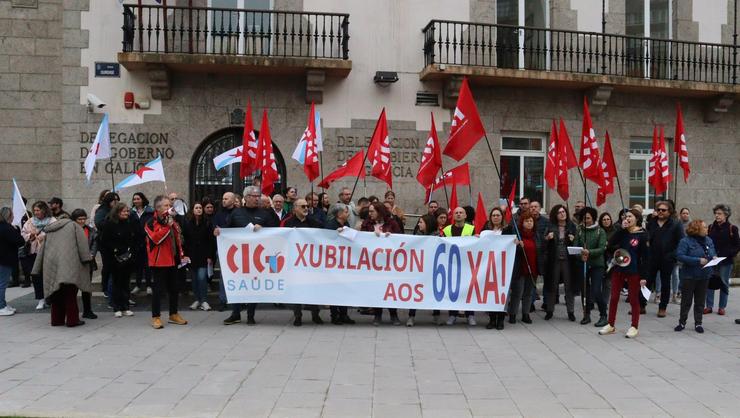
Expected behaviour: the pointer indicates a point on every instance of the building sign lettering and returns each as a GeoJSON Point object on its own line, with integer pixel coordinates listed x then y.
{"type": "Point", "coordinates": [405, 152]}
{"type": "Point", "coordinates": [129, 150]}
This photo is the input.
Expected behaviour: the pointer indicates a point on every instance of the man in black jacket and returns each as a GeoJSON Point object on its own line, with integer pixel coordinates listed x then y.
{"type": "Point", "coordinates": [339, 218]}
{"type": "Point", "coordinates": [249, 213]}
{"type": "Point", "coordinates": [300, 219]}
{"type": "Point", "coordinates": [665, 233]}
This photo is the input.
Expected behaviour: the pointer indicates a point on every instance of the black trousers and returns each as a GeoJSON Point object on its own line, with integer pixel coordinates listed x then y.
{"type": "Point", "coordinates": [236, 309]}
{"type": "Point", "coordinates": [455, 313]}
{"type": "Point", "coordinates": [692, 290]}
{"type": "Point", "coordinates": [105, 272]}
{"type": "Point", "coordinates": [298, 309]}
{"type": "Point", "coordinates": [392, 311]}
{"type": "Point", "coordinates": [665, 267]}
{"type": "Point", "coordinates": [338, 311]}
{"type": "Point", "coordinates": [412, 313]}
{"type": "Point", "coordinates": [520, 291]}
{"type": "Point", "coordinates": [121, 290]}
{"type": "Point", "coordinates": [164, 277]}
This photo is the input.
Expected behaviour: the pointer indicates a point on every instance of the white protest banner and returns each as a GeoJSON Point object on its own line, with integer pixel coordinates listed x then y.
{"type": "Point", "coordinates": [286, 265]}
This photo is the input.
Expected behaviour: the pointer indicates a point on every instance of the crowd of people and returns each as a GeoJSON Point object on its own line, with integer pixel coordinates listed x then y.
{"type": "Point", "coordinates": [161, 246]}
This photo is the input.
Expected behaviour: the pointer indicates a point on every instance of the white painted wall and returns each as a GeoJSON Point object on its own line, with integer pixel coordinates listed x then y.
{"type": "Point", "coordinates": [589, 14]}
{"type": "Point", "coordinates": [711, 15]}
{"type": "Point", "coordinates": [104, 20]}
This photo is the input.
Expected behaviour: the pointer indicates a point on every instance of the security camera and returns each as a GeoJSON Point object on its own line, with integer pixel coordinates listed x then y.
{"type": "Point", "coordinates": [94, 102]}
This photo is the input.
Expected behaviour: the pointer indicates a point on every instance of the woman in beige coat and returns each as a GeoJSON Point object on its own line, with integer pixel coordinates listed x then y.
{"type": "Point", "coordinates": [64, 262]}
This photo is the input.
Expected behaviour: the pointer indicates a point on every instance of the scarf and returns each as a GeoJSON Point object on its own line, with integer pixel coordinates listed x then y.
{"type": "Point", "coordinates": [40, 224]}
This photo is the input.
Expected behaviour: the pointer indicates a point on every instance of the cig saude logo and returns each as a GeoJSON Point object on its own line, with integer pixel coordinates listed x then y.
{"type": "Point", "coordinates": [238, 259]}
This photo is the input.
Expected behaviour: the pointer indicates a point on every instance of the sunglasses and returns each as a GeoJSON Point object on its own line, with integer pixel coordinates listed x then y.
{"type": "Point", "coordinates": [662, 210]}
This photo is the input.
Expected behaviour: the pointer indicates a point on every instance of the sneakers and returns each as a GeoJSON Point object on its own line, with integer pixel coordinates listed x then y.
{"type": "Point", "coordinates": [410, 322]}
{"type": "Point", "coordinates": [205, 306]}
{"type": "Point", "coordinates": [707, 311]}
{"type": "Point", "coordinates": [607, 329]}
{"type": "Point", "coordinates": [471, 321]}
{"type": "Point", "coordinates": [118, 314]}
{"type": "Point", "coordinates": [41, 305]}
{"type": "Point", "coordinates": [721, 311]}
{"type": "Point", "coordinates": [674, 299]}
{"type": "Point", "coordinates": [177, 319]}
{"type": "Point", "coordinates": [661, 313]}
{"type": "Point", "coordinates": [451, 320]}
{"type": "Point", "coordinates": [233, 319]}
{"type": "Point", "coordinates": [135, 289]}
{"type": "Point", "coordinates": [601, 322]}
{"type": "Point", "coordinates": [128, 313]}
{"type": "Point", "coordinates": [195, 305]}
{"type": "Point", "coordinates": [679, 327]}
{"type": "Point", "coordinates": [699, 329]}
{"type": "Point", "coordinates": [631, 333]}
{"type": "Point", "coordinates": [657, 299]}
{"type": "Point", "coordinates": [6, 311]}
{"type": "Point", "coordinates": [148, 290]}
{"type": "Point", "coordinates": [157, 323]}
{"type": "Point", "coordinates": [131, 302]}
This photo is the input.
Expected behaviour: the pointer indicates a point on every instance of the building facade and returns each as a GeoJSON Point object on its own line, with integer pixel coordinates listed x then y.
{"type": "Point", "coordinates": [188, 68]}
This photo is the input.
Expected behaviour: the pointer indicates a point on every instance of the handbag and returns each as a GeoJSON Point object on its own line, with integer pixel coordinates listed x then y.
{"type": "Point", "coordinates": [124, 257]}
{"type": "Point", "coordinates": [716, 283]}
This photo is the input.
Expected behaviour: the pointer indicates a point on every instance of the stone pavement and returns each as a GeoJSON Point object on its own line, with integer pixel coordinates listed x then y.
{"type": "Point", "coordinates": [122, 367]}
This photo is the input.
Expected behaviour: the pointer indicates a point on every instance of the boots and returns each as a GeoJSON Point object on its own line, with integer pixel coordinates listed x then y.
{"type": "Point", "coordinates": [602, 321]}
{"type": "Point", "coordinates": [500, 320]}
{"type": "Point", "coordinates": [586, 318]}
{"type": "Point", "coordinates": [491, 320]}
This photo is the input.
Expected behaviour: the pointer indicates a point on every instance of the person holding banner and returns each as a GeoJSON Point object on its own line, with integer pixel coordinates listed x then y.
{"type": "Point", "coordinates": [525, 270]}
{"type": "Point", "coordinates": [426, 225]}
{"type": "Point", "coordinates": [560, 235]}
{"type": "Point", "coordinates": [631, 242]}
{"type": "Point", "coordinates": [301, 219]}
{"type": "Point", "coordinates": [381, 223]}
{"type": "Point", "coordinates": [593, 241]}
{"type": "Point", "coordinates": [694, 252]}
{"type": "Point", "coordinates": [459, 228]}
{"type": "Point", "coordinates": [496, 225]}
{"type": "Point", "coordinates": [240, 217]}
{"type": "Point", "coordinates": [164, 249]}
{"type": "Point", "coordinates": [339, 219]}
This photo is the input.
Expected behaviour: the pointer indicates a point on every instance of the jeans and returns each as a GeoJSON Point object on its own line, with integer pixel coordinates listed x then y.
{"type": "Point", "coordinates": [200, 283]}
{"type": "Point", "coordinates": [5, 272]}
{"type": "Point", "coordinates": [143, 272]}
{"type": "Point", "coordinates": [595, 289]}
{"type": "Point", "coordinates": [665, 267]}
{"type": "Point", "coordinates": [724, 271]}
{"type": "Point", "coordinates": [692, 290]}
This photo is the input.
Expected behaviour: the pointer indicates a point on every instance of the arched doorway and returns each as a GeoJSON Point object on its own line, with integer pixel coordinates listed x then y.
{"type": "Point", "coordinates": [205, 180]}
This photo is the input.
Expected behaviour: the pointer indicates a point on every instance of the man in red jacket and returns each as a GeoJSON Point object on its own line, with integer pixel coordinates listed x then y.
{"type": "Point", "coordinates": [164, 250]}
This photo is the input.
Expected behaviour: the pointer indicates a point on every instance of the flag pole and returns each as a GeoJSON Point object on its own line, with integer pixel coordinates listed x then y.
{"type": "Point", "coordinates": [321, 167]}
{"type": "Point", "coordinates": [112, 180]}
{"type": "Point", "coordinates": [358, 178]}
{"type": "Point", "coordinates": [675, 177]}
{"type": "Point", "coordinates": [619, 186]}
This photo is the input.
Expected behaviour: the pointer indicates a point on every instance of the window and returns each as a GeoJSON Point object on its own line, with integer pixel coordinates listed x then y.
{"type": "Point", "coordinates": [239, 32]}
{"type": "Point", "coordinates": [649, 19]}
{"type": "Point", "coordinates": [640, 192]}
{"type": "Point", "coordinates": [522, 48]}
{"type": "Point", "coordinates": [523, 159]}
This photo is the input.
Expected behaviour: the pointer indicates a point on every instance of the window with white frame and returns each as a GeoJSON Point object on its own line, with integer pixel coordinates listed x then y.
{"type": "Point", "coordinates": [239, 32]}
{"type": "Point", "coordinates": [523, 159]}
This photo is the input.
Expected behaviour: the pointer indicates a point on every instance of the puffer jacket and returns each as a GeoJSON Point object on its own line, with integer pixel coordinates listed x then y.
{"type": "Point", "coordinates": [594, 240]}
{"type": "Point", "coordinates": [690, 250]}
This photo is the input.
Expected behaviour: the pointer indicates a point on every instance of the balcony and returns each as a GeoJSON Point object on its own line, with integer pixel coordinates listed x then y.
{"type": "Point", "coordinates": [526, 56]}
{"type": "Point", "coordinates": [159, 40]}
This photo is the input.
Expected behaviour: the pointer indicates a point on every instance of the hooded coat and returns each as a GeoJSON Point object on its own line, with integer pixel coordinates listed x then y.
{"type": "Point", "coordinates": [64, 257]}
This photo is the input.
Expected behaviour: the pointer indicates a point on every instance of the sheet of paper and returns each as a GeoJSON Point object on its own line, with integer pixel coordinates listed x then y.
{"type": "Point", "coordinates": [348, 233]}
{"type": "Point", "coordinates": [714, 262]}
{"type": "Point", "coordinates": [249, 227]}
{"type": "Point", "coordinates": [645, 292]}
{"type": "Point", "coordinates": [575, 250]}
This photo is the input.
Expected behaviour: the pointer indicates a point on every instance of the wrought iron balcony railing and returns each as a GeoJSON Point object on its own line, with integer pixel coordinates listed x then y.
{"type": "Point", "coordinates": [242, 32]}
{"type": "Point", "coordinates": [519, 47]}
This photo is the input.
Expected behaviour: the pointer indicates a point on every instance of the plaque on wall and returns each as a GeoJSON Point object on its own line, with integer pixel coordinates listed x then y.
{"type": "Point", "coordinates": [25, 3]}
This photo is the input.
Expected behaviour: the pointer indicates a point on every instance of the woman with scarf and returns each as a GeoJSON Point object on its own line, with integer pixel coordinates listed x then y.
{"type": "Point", "coordinates": [141, 212]}
{"type": "Point", "coordinates": [33, 233]}
{"type": "Point", "coordinates": [380, 222]}
{"type": "Point", "coordinates": [525, 270]}
{"type": "Point", "coordinates": [593, 240]}
{"type": "Point", "coordinates": [694, 252]}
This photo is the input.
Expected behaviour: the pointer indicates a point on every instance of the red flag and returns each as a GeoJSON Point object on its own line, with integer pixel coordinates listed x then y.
{"type": "Point", "coordinates": [590, 157]}
{"type": "Point", "coordinates": [570, 156]}
{"type": "Point", "coordinates": [250, 161]}
{"type": "Point", "coordinates": [665, 173]}
{"type": "Point", "coordinates": [379, 152]}
{"type": "Point", "coordinates": [431, 159]}
{"type": "Point", "coordinates": [311, 160]}
{"type": "Point", "coordinates": [509, 215]}
{"type": "Point", "coordinates": [353, 167]}
{"type": "Point", "coordinates": [566, 160]}
{"type": "Point", "coordinates": [682, 151]}
{"type": "Point", "coordinates": [552, 158]}
{"type": "Point", "coordinates": [608, 171]}
{"type": "Point", "coordinates": [458, 175]}
{"type": "Point", "coordinates": [267, 164]}
{"type": "Point", "coordinates": [467, 128]}
{"type": "Point", "coordinates": [453, 204]}
{"type": "Point", "coordinates": [658, 174]}
{"type": "Point", "coordinates": [481, 216]}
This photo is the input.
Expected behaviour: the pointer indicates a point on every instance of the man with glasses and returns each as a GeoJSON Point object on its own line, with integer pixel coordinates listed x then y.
{"type": "Point", "coordinates": [250, 212]}
{"type": "Point", "coordinates": [665, 232]}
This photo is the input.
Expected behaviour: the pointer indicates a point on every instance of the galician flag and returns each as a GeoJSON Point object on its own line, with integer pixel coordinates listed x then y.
{"type": "Point", "coordinates": [319, 136]}
{"type": "Point", "coordinates": [100, 148]}
{"type": "Point", "coordinates": [19, 208]}
{"type": "Point", "coordinates": [151, 171]}
{"type": "Point", "coordinates": [229, 157]}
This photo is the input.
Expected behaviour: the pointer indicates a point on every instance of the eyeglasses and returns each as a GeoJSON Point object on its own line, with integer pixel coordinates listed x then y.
{"type": "Point", "coordinates": [662, 210]}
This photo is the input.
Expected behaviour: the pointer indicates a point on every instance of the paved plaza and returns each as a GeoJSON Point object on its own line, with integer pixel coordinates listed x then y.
{"type": "Point", "coordinates": [123, 367]}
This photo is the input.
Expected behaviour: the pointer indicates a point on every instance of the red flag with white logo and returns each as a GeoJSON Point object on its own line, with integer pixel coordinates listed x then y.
{"type": "Point", "coordinates": [480, 215]}
{"type": "Point", "coordinates": [379, 152]}
{"type": "Point", "coordinates": [266, 158]}
{"type": "Point", "coordinates": [509, 215]}
{"type": "Point", "coordinates": [431, 159]}
{"type": "Point", "coordinates": [453, 204]}
{"type": "Point", "coordinates": [658, 173]}
{"type": "Point", "coordinates": [566, 159]}
{"type": "Point", "coordinates": [459, 175]}
{"type": "Point", "coordinates": [467, 128]}
{"type": "Point", "coordinates": [250, 162]}
{"type": "Point", "coordinates": [311, 159]}
{"type": "Point", "coordinates": [589, 159]}
{"type": "Point", "coordinates": [552, 158]}
{"type": "Point", "coordinates": [353, 167]}
{"type": "Point", "coordinates": [608, 171]}
{"type": "Point", "coordinates": [680, 147]}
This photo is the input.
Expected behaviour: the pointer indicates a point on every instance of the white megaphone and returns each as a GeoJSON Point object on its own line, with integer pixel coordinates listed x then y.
{"type": "Point", "coordinates": [621, 258]}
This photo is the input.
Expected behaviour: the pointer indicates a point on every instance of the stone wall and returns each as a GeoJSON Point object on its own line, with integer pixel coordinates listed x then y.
{"type": "Point", "coordinates": [30, 97]}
